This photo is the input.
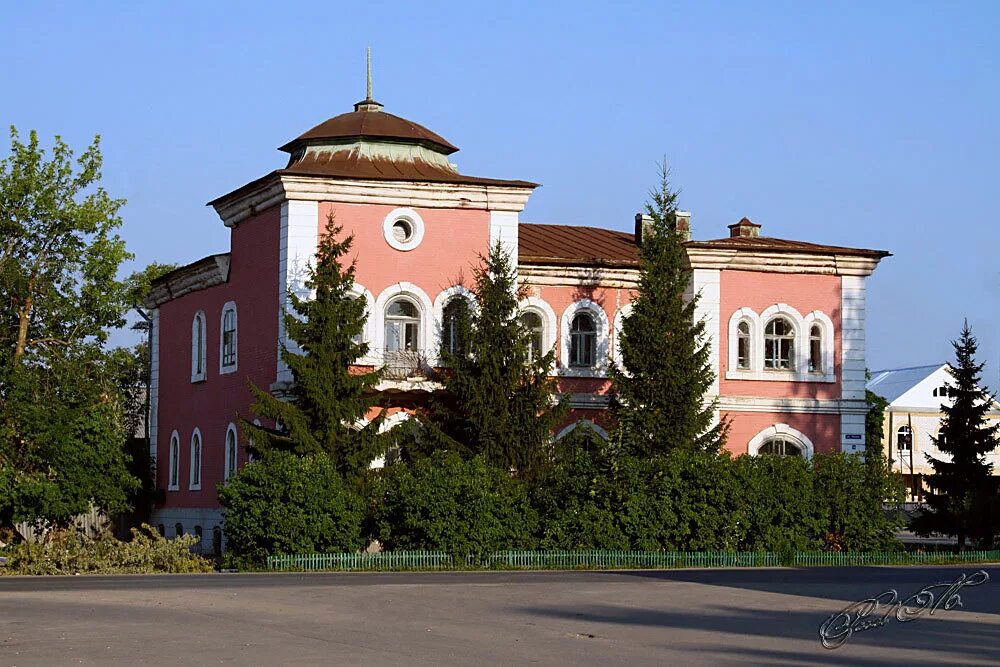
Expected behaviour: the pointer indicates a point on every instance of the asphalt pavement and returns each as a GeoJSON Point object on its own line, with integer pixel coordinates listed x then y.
{"type": "Point", "coordinates": [674, 617]}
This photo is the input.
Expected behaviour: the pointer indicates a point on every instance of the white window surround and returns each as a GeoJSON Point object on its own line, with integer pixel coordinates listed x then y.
{"type": "Point", "coordinates": [174, 463]}
{"type": "Point", "coordinates": [582, 422]}
{"type": "Point", "coordinates": [784, 431]}
{"type": "Point", "coordinates": [801, 325]}
{"type": "Point", "coordinates": [600, 368]}
{"type": "Point", "coordinates": [424, 305]}
{"type": "Point", "coordinates": [229, 306]}
{"type": "Point", "coordinates": [616, 349]}
{"type": "Point", "coordinates": [368, 331]}
{"type": "Point", "coordinates": [411, 218]}
{"type": "Point", "coordinates": [230, 461]}
{"type": "Point", "coordinates": [440, 301]}
{"type": "Point", "coordinates": [389, 423]}
{"type": "Point", "coordinates": [550, 323]}
{"type": "Point", "coordinates": [199, 335]}
{"type": "Point", "coordinates": [194, 478]}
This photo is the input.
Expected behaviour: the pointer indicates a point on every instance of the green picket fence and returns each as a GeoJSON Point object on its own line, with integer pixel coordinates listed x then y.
{"type": "Point", "coordinates": [388, 561]}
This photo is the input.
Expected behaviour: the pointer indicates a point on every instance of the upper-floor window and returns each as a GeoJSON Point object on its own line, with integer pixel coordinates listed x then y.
{"type": "Point", "coordinates": [583, 340]}
{"type": "Point", "coordinates": [231, 452]}
{"type": "Point", "coordinates": [780, 446]}
{"type": "Point", "coordinates": [779, 344]}
{"type": "Point", "coordinates": [452, 334]}
{"type": "Point", "coordinates": [904, 439]}
{"type": "Point", "coordinates": [174, 463]}
{"type": "Point", "coordinates": [228, 343]}
{"type": "Point", "coordinates": [194, 482]}
{"type": "Point", "coordinates": [198, 347]}
{"type": "Point", "coordinates": [944, 391]}
{"type": "Point", "coordinates": [402, 326]}
{"type": "Point", "coordinates": [532, 323]}
{"type": "Point", "coordinates": [743, 345]}
{"type": "Point", "coordinates": [815, 349]}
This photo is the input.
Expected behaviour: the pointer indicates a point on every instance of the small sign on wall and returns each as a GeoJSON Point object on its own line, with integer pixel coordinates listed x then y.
{"type": "Point", "coordinates": [853, 436]}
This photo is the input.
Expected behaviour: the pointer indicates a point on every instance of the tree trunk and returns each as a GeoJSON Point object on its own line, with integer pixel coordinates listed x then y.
{"type": "Point", "coordinates": [22, 325]}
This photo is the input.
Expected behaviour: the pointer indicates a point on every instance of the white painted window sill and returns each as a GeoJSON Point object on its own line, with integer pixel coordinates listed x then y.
{"type": "Point", "coordinates": [576, 372]}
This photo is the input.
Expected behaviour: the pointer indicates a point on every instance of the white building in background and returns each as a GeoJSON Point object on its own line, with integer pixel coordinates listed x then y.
{"type": "Point", "coordinates": [913, 420]}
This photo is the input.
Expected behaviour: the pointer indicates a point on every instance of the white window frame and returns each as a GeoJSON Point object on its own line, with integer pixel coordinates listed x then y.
{"type": "Point", "coordinates": [794, 354]}
{"type": "Point", "coordinates": [441, 302]}
{"type": "Point", "coordinates": [174, 462]}
{"type": "Point", "coordinates": [616, 335]}
{"type": "Point", "coordinates": [367, 333]}
{"type": "Point", "coordinates": [199, 346]}
{"type": "Point", "coordinates": [600, 367]}
{"type": "Point", "coordinates": [424, 306]}
{"type": "Point", "coordinates": [230, 306]}
{"type": "Point", "coordinates": [540, 307]}
{"type": "Point", "coordinates": [194, 482]}
{"type": "Point", "coordinates": [783, 431]}
{"type": "Point", "coordinates": [231, 458]}
{"type": "Point", "coordinates": [583, 422]}
{"type": "Point", "coordinates": [410, 217]}
{"type": "Point", "coordinates": [801, 325]}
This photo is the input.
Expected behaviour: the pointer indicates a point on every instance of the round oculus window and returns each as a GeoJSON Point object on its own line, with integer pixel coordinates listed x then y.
{"type": "Point", "coordinates": [403, 229]}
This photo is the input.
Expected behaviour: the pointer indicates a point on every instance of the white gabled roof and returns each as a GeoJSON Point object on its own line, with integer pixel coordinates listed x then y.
{"type": "Point", "coordinates": [905, 386]}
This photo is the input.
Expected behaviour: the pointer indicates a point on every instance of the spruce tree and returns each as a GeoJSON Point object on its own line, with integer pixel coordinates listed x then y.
{"type": "Point", "coordinates": [659, 395]}
{"type": "Point", "coordinates": [963, 491]}
{"type": "Point", "coordinates": [498, 396]}
{"type": "Point", "coordinates": [327, 398]}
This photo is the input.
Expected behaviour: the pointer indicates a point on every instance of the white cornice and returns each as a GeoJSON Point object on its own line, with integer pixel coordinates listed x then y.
{"type": "Point", "coordinates": [781, 262]}
{"type": "Point", "coordinates": [280, 187]}
{"type": "Point", "coordinates": [796, 405]}
{"type": "Point", "coordinates": [200, 275]}
{"type": "Point", "coordinates": [574, 275]}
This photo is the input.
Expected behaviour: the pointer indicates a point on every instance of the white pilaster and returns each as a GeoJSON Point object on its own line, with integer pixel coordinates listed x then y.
{"type": "Point", "coordinates": [706, 283]}
{"type": "Point", "coordinates": [154, 380]}
{"type": "Point", "coordinates": [503, 228]}
{"type": "Point", "coordinates": [852, 361]}
{"type": "Point", "coordinates": [297, 247]}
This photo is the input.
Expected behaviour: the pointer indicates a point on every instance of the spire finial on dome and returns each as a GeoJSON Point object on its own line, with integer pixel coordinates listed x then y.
{"type": "Point", "coordinates": [368, 104]}
{"type": "Point", "coordinates": [368, 97]}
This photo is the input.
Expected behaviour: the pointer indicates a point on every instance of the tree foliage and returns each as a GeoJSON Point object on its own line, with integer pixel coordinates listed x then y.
{"type": "Point", "coordinates": [62, 413]}
{"type": "Point", "coordinates": [659, 393]}
{"type": "Point", "coordinates": [288, 504]}
{"type": "Point", "coordinates": [328, 400]}
{"type": "Point", "coordinates": [498, 397]}
{"type": "Point", "coordinates": [963, 497]}
{"type": "Point", "coordinates": [461, 506]}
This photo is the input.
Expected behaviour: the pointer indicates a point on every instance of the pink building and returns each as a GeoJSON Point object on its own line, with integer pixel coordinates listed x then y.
{"type": "Point", "coordinates": [786, 318]}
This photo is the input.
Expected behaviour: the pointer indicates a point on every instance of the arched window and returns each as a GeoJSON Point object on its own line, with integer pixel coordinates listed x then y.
{"type": "Point", "coordinates": [195, 480]}
{"type": "Point", "coordinates": [198, 347]}
{"type": "Point", "coordinates": [179, 530]}
{"type": "Point", "coordinates": [904, 439]}
{"type": "Point", "coordinates": [452, 327]}
{"type": "Point", "coordinates": [161, 529]}
{"type": "Point", "coordinates": [942, 439]}
{"type": "Point", "coordinates": [231, 452]}
{"type": "Point", "coordinates": [173, 471]}
{"type": "Point", "coordinates": [402, 326]}
{"type": "Point", "coordinates": [582, 340]}
{"type": "Point", "coordinates": [198, 534]}
{"type": "Point", "coordinates": [780, 446]}
{"type": "Point", "coordinates": [815, 349]}
{"type": "Point", "coordinates": [779, 344]}
{"type": "Point", "coordinates": [227, 354]}
{"type": "Point", "coordinates": [743, 345]}
{"type": "Point", "coordinates": [532, 323]}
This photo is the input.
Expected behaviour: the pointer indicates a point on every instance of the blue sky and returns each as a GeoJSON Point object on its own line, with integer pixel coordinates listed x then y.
{"type": "Point", "coordinates": [864, 124]}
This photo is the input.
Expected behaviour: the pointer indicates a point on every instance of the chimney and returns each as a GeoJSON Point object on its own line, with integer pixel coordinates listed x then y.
{"type": "Point", "coordinates": [644, 226]}
{"type": "Point", "coordinates": [744, 229]}
{"type": "Point", "coordinates": [683, 224]}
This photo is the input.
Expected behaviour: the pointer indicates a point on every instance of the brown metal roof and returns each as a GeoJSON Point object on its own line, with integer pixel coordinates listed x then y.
{"type": "Point", "coordinates": [769, 244]}
{"type": "Point", "coordinates": [569, 245]}
{"type": "Point", "coordinates": [356, 124]}
{"type": "Point", "coordinates": [572, 245]}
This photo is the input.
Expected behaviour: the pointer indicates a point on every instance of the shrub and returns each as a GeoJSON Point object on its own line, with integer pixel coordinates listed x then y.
{"type": "Point", "coordinates": [849, 504]}
{"type": "Point", "coordinates": [70, 552]}
{"type": "Point", "coordinates": [778, 510]}
{"type": "Point", "coordinates": [288, 504]}
{"type": "Point", "coordinates": [445, 503]}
